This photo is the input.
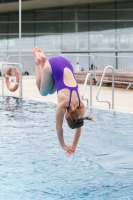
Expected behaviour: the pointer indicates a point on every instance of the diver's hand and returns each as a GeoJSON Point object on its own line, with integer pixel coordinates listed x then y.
{"type": "Point", "coordinates": [70, 150]}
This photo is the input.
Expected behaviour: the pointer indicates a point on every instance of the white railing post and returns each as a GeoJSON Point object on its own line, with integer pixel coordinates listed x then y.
{"type": "Point", "coordinates": [84, 87]}
{"type": "Point", "coordinates": [112, 87]}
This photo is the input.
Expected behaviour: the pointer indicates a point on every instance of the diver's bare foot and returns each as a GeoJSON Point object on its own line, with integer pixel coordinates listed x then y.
{"type": "Point", "coordinates": [39, 57]}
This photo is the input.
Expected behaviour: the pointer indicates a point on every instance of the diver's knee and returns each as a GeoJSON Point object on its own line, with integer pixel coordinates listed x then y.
{"type": "Point", "coordinates": [44, 92]}
{"type": "Point", "coordinates": [52, 92]}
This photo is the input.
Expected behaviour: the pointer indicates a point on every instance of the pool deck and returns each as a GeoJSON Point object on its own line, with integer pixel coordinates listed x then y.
{"type": "Point", "coordinates": [123, 99]}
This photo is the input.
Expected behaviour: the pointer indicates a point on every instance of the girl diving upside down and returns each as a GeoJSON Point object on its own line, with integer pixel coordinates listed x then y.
{"type": "Point", "coordinates": [56, 74]}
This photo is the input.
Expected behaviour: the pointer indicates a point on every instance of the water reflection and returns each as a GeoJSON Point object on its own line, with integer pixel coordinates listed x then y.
{"type": "Point", "coordinates": [10, 107]}
{"type": "Point", "coordinates": [12, 103]}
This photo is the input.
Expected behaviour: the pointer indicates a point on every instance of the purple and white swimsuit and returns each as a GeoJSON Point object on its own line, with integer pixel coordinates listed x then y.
{"type": "Point", "coordinates": [58, 64]}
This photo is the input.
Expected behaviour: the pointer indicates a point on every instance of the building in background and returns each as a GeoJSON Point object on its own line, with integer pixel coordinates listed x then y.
{"type": "Point", "coordinates": [95, 27]}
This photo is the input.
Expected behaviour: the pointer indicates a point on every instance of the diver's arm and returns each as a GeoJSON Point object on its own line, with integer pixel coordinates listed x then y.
{"type": "Point", "coordinates": [60, 111]}
{"type": "Point", "coordinates": [59, 122]}
{"type": "Point", "coordinates": [76, 137]}
{"type": "Point", "coordinates": [77, 133]}
{"type": "Point", "coordinates": [78, 130]}
{"type": "Point", "coordinates": [75, 142]}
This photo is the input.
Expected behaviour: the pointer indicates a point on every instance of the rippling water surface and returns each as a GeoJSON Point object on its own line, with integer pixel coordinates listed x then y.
{"type": "Point", "coordinates": [34, 167]}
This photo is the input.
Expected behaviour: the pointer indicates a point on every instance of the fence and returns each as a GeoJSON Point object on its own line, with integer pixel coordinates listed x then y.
{"type": "Point", "coordinates": [27, 61]}
{"type": "Point", "coordinates": [123, 69]}
{"type": "Point", "coordinates": [85, 61]}
{"type": "Point", "coordinates": [123, 65]}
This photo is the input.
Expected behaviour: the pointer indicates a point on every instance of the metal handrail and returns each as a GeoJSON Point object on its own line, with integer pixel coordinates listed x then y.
{"type": "Point", "coordinates": [112, 87]}
{"type": "Point", "coordinates": [24, 55]}
{"type": "Point", "coordinates": [83, 55]}
{"type": "Point", "coordinates": [84, 87]}
{"type": "Point", "coordinates": [122, 82]}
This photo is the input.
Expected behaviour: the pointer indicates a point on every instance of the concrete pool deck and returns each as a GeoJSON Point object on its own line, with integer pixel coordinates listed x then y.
{"type": "Point", "coordinates": [123, 99]}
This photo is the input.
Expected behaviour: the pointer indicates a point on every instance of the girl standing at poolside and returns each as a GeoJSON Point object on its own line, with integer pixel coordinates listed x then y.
{"type": "Point", "coordinates": [56, 74]}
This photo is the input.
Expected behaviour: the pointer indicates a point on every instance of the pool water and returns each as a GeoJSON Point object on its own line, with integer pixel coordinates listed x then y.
{"type": "Point", "coordinates": [34, 167]}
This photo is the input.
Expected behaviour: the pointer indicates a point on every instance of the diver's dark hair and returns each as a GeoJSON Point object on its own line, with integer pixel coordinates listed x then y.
{"type": "Point", "coordinates": [75, 120]}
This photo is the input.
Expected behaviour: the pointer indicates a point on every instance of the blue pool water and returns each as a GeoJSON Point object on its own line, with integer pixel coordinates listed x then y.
{"type": "Point", "coordinates": [33, 165]}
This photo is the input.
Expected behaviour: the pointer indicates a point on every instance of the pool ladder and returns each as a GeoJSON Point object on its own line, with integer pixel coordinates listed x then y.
{"type": "Point", "coordinates": [112, 87]}
{"type": "Point", "coordinates": [85, 83]}
{"type": "Point", "coordinates": [84, 87]}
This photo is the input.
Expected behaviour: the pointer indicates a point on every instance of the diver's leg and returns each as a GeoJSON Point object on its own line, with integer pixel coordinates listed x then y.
{"type": "Point", "coordinates": [38, 69]}
{"type": "Point", "coordinates": [44, 79]}
{"type": "Point", "coordinates": [39, 60]}
{"type": "Point", "coordinates": [47, 81]}
{"type": "Point", "coordinates": [53, 88]}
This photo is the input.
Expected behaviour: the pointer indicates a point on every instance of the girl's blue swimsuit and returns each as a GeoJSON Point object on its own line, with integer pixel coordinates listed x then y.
{"type": "Point", "coordinates": [58, 64]}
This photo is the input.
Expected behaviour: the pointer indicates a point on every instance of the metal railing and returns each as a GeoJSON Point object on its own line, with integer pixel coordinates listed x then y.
{"type": "Point", "coordinates": [84, 87]}
{"type": "Point", "coordinates": [123, 69]}
{"type": "Point", "coordinates": [85, 61]}
{"type": "Point", "coordinates": [112, 87]}
{"type": "Point", "coordinates": [117, 76]}
{"type": "Point", "coordinates": [27, 61]}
